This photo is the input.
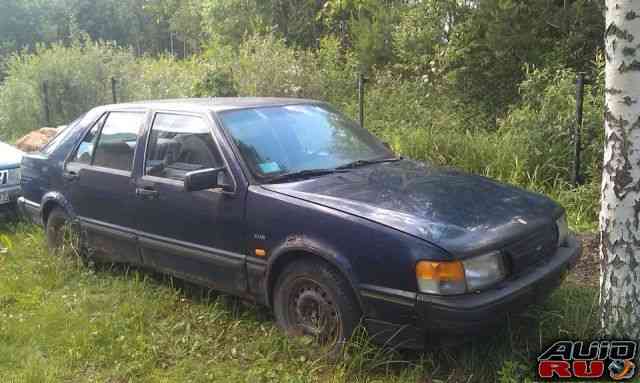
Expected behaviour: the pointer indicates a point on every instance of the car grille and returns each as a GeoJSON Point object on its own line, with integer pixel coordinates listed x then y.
{"type": "Point", "coordinates": [533, 249]}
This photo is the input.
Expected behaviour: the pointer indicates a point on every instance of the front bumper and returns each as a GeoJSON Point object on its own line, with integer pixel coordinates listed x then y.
{"type": "Point", "coordinates": [30, 210]}
{"type": "Point", "coordinates": [472, 313]}
{"type": "Point", "coordinates": [14, 192]}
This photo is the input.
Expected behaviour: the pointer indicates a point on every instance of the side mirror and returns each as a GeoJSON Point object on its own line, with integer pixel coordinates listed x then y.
{"type": "Point", "coordinates": [216, 178]}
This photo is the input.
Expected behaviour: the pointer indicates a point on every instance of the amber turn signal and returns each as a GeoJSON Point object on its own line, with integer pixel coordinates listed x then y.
{"type": "Point", "coordinates": [440, 271]}
{"type": "Point", "coordinates": [443, 278]}
{"type": "Point", "coordinates": [260, 253]}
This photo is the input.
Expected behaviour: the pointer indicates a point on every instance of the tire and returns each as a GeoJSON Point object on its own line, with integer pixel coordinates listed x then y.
{"type": "Point", "coordinates": [311, 298]}
{"type": "Point", "coordinates": [61, 234]}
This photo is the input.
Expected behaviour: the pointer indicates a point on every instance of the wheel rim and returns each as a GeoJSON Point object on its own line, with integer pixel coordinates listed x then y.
{"type": "Point", "coordinates": [312, 312]}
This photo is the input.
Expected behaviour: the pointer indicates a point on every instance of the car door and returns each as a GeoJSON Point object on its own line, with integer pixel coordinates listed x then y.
{"type": "Point", "coordinates": [99, 185]}
{"type": "Point", "coordinates": [196, 235]}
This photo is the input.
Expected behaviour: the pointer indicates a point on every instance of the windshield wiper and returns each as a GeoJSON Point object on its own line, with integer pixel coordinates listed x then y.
{"type": "Point", "coordinates": [358, 163]}
{"type": "Point", "coordinates": [304, 174]}
{"type": "Point", "coordinates": [321, 172]}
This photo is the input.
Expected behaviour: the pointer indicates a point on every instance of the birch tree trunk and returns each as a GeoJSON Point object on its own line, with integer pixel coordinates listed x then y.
{"type": "Point", "coordinates": [620, 211]}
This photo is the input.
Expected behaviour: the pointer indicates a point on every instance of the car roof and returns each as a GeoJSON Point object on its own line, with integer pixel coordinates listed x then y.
{"type": "Point", "coordinates": [214, 104]}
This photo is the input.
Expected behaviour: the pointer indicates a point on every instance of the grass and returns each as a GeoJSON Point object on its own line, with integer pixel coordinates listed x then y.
{"type": "Point", "coordinates": [63, 322]}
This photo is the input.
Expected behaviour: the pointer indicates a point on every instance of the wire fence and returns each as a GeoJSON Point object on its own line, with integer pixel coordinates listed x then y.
{"type": "Point", "coordinates": [361, 81]}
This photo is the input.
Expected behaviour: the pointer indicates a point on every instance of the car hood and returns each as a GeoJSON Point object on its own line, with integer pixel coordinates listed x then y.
{"type": "Point", "coordinates": [10, 157]}
{"type": "Point", "coordinates": [461, 213]}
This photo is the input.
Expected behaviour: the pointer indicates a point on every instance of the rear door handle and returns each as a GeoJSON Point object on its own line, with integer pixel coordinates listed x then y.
{"type": "Point", "coordinates": [147, 193]}
{"type": "Point", "coordinates": [70, 176]}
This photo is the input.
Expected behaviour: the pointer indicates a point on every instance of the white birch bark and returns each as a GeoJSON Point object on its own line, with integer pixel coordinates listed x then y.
{"type": "Point", "coordinates": [620, 210]}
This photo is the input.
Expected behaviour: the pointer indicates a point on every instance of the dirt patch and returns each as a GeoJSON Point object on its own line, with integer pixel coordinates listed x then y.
{"type": "Point", "coordinates": [587, 270]}
{"type": "Point", "coordinates": [37, 139]}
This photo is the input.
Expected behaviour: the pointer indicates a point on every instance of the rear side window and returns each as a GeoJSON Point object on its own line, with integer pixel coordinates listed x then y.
{"type": "Point", "coordinates": [117, 142]}
{"type": "Point", "coordinates": [179, 144]}
{"type": "Point", "coordinates": [84, 154]}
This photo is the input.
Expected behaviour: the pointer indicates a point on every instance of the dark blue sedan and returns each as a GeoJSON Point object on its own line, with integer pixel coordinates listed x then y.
{"type": "Point", "coordinates": [289, 203]}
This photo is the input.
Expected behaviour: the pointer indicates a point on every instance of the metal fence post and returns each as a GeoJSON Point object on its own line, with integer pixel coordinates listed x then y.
{"type": "Point", "coordinates": [113, 90]}
{"type": "Point", "coordinates": [361, 82]}
{"type": "Point", "coordinates": [577, 179]}
{"type": "Point", "coordinates": [45, 93]}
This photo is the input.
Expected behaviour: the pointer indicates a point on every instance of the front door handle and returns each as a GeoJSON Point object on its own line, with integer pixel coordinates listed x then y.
{"type": "Point", "coordinates": [147, 193]}
{"type": "Point", "coordinates": [70, 175]}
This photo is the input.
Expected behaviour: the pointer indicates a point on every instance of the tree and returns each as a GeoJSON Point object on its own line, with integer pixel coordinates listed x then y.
{"type": "Point", "coordinates": [230, 21]}
{"type": "Point", "coordinates": [620, 211]}
{"type": "Point", "coordinates": [422, 35]}
{"type": "Point", "coordinates": [23, 24]}
{"type": "Point", "coordinates": [493, 40]}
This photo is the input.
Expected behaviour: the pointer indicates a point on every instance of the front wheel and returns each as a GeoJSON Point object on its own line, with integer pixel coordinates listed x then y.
{"type": "Point", "coordinates": [312, 299]}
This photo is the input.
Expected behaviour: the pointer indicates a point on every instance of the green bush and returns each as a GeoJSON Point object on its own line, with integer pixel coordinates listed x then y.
{"type": "Point", "coordinates": [533, 141]}
{"type": "Point", "coordinates": [78, 77]}
{"type": "Point", "coordinates": [161, 78]}
{"type": "Point", "coordinates": [336, 71]}
{"type": "Point", "coordinates": [544, 122]}
{"type": "Point", "coordinates": [266, 67]}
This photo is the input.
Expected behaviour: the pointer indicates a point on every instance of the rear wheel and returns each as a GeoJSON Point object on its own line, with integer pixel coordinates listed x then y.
{"type": "Point", "coordinates": [312, 299]}
{"type": "Point", "coordinates": [62, 235]}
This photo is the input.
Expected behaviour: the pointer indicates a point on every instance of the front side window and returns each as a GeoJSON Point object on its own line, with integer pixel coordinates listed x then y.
{"type": "Point", "coordinates": [287, 139]}
{"type": "Point", "coordinates": [117, 142]}
{"type": "Point", "coordinates": [179, 144]}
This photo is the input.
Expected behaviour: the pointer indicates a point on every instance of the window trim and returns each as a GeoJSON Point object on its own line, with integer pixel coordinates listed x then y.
{"type": "Point", "coordinates": [98, 139]}
{"type": "Point", "coordinates": [211, 124]}
{"type": "Point", "coordinates": [72, 154]}
{"type": "Point", "coordinates": [105, 169]}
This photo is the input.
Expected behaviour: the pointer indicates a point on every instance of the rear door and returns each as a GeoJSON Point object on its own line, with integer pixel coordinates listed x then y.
{"type": "Point", "coordinates": [196, 235]}
{"type": "Point", "coordinates": [99, 184]}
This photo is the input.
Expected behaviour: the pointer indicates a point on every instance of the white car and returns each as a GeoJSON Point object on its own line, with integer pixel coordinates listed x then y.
{"type": "Point", "coordinates": [10, 159]}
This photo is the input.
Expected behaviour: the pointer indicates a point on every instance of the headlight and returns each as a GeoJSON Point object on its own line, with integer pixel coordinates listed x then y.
{"type": "Point", "coordinates": [14, 177]}
{"type": "Point", "coordinates": [484, 270]}
{"type": "Point", "coordinates": [563, 230]}
{"type": "Point", "coordinates": [458, 277]}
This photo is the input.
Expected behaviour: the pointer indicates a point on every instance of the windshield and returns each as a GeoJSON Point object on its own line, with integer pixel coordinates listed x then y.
{"type": "Point", "coordinates": [294, 138]}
